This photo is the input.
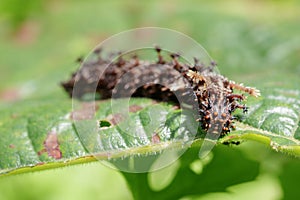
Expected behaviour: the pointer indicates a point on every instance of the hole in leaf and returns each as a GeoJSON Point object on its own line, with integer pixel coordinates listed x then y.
{"type": "Point", "coordinates": [104, 123]}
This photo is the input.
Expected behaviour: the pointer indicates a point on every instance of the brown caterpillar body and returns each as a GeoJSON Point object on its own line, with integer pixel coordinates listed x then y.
{"type": "Point", "coordinates": [123, 77]}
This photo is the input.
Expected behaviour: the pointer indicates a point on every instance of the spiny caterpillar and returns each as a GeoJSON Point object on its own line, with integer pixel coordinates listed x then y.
{"type": "Point", "coordinates": [212, 92]}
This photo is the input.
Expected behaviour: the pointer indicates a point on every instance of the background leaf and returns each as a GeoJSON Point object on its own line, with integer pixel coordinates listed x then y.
{"type": "Point", "coordinates": [216, 176]}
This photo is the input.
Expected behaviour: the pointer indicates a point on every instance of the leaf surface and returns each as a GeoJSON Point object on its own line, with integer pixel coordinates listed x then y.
{"type": "Point", "coordinates": [41, 135]}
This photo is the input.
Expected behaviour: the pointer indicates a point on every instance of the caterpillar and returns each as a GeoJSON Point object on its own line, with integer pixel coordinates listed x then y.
{"type": "Point", "coordinates": [213, 93]}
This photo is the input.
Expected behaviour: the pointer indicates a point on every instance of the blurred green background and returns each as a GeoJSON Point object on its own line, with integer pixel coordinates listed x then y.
{"type": "Point", "coordinates": [254, 42]}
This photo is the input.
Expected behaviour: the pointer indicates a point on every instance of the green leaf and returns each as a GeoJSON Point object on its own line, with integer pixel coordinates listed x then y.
{"type": "Point", "coordinates": [288, 175]}
{"type": "Point", "coordinates": [227, 167]}
{"type": "Point", "coordinates": [41, 135]}
{"type": "Point", "coordinates": [273, 120]}
{"type": "Point", "coordinates": [24, 128]}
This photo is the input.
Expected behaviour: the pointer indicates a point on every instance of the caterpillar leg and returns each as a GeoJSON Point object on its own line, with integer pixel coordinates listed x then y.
{"type": "Point", "coordinates": [160, 58]}
{"type": "Point", "coordinates": [252, 91]}
{"type": "Point", "coordinates": [233, 97]}
{"type": "Point", "coordinates": [236, 105]}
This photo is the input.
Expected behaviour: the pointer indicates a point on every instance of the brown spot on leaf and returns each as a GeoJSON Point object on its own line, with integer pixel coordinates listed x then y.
{"type": "Point", "coordinates": [155, 138]}
{"type": "Point", "coordinates": [12, 146]}
{"type": "Point", "coordinates": [51, 145]}
{"type": "Point", "coordinates": [86, 111]}
{"type": "Point", "coordinates": [135, 108]}
{"type": "Point", "coordinates": [153, 101]}
{"type": "Point", "coordinates": [115, 118]}
{"type": "Point", "coordinates": [176, 107]}
{"type": "Point", "coordinates": [42, 151]}
{"type": "Point", "coordinates": [40, 163]}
